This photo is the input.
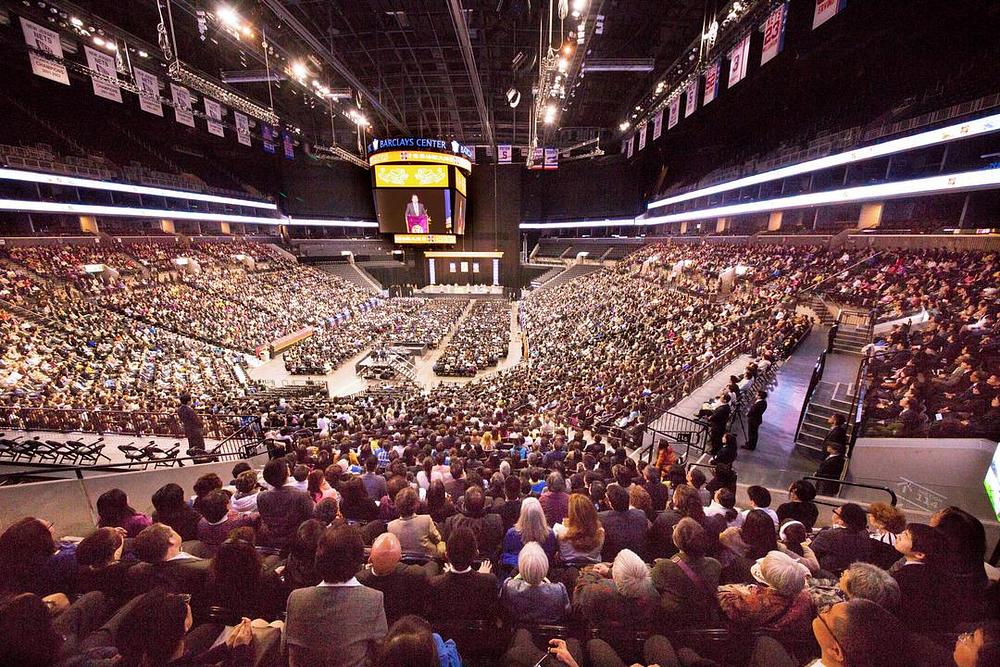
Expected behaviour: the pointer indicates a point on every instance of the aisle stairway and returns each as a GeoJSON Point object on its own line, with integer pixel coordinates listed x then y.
{"type": "Point", "coordinates": [828, 399]}
{"type": "Point", "coordinates": [569, 274]}
{"type": "Point", "coordinates": [352, 274]}
{"type": "Point", "coordinates": [850, 339]}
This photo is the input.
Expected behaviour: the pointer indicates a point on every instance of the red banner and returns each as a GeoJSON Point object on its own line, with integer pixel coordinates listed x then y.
{"type": "Point", "coordinates": [711, 82]}
{"type": "Point", "coordinates": [774, 33]}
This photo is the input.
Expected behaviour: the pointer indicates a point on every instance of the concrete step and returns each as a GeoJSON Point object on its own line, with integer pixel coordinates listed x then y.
{"type": "Point", "coordinates": [808, 440]}
{"type": "Point", "coordinates": [816, 419]}
{"type": "Point", "coordinates": [825, 410]}
{"type": "Point", "coordinates": [814, 429]}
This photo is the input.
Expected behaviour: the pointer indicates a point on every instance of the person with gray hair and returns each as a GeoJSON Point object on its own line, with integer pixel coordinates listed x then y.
{"type": "Point", "coordinates": [555, 500]}
{"type": "Point", "coordinates": [529, 597]}
{"type": "Point", "coordinates": [622, 593]}
{"type": "Point", "coordinates": [870, 582]}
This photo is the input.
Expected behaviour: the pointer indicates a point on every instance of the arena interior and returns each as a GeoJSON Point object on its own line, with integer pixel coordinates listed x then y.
{"type": "Point", "coordinates": [500, 332]}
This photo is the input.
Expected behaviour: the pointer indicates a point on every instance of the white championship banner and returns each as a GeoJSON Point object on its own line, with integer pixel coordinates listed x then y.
{"type": "Point", "coordinates": [47, 41]}
{"type": "Point", "coordinates": [104, 64]}
{"type": "Point", "coordinates": [149, 91]}
{"type": "Point", "coordinates": [182, 104]}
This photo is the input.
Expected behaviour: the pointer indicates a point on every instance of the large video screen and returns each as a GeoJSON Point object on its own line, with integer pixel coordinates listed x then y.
{"type": "Point", "coordinates": [460, 207]}
{"type": "Point", "coordinates": [992, 481]}
{"type": "Point", "coordinates": [415, 211]}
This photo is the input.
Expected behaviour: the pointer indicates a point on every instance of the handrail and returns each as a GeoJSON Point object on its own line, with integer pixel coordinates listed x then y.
{"type": "Point", "coordinates": [99, 421]}
{"type": "Point", "coordinates": [876, 487]}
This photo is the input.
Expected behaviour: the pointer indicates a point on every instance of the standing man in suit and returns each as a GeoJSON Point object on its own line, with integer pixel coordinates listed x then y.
{"type": "Point", "coordinates": [755, 417]}
{"type": "Point", "coordinates": [831, 468]}
{"type": "Point", "coordinates": [838, 431]}
{"type": "Point", "coordinates": [192, 424]}
{"type": "Point", "coordinates": [718, 422]}
{"type": "Point", "coordinates": [340, 622]}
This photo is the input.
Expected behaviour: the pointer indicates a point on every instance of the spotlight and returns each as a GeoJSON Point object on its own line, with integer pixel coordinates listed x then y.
{"type": "Point", "coordinates": [300, 70]}
{"type": "Point", "coordinates": [76, 22]}
{"type": "Point", "coordinates": [228, 16]}
{"type": "Point", "coordinates": [624, 125]}
{"type": "Point", "coordinates": [98, 41]}
{"type": "Point", "coordinates": [513, 97]}
{"type": "Point", "coordinates": [143, 54]}
{"type": "Point", "coordinates": [579, 5]}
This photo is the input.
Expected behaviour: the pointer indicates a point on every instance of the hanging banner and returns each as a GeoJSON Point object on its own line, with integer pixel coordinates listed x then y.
{"type": "Point", "coordinates": [503, 153]}
{"type": "Point", "coordinates": [658, 125]}
{"type": "Point", "coordinates": [825, 10]}
{"type": "Point", "coordinates": [551, 158]}
{"type": "Point", "coordinates": [104, 64]}
{"type": "Point", "coordinates": [675, 112]}
{"type": "Point", "coordinates": [46, 41]}
{"type": "Point", "coordinates": [631, 145]}
{"type": "Point", "coordinates": [242, 128]}
{"type": "Point", "coordinates": [711, 83]}
{"type": "Point", "coordinates": [738, 58]}
{"type": "Point", "coordinates": [774, 33]}
{"type": "Point", "coordinates": [287, 144]}
{"type": "Point", "coordinates": [149, 91]}
{"type": "Point", "coordinates": [538, 158]}
{"type": "Point", "coordinates": [642, 137]}
{"type": "Point", "coordinates": [213, 114]}
{"type": "Point", "coordinates": [267, 135]}
{"type": "Point", "coordinates": [691, 103]}
{"type": "Point", "coordinates": [624, 145]}
{"type": "Point", "coordinates": [182, 104]}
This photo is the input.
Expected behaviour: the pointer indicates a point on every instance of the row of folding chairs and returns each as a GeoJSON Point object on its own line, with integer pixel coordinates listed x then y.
{"type": "Point", "coordinates": [21, 449]}
{"type": "Point", "coordinates": [151, 454]}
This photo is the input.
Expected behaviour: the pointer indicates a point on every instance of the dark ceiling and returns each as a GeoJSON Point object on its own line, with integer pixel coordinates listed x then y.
{"type": "Point", "coordinates": [407, 54]}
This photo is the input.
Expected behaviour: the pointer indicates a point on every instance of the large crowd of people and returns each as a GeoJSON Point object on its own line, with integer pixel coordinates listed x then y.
{"type": "Point", "coordinates": [480, 342]}
{"type": "Point", "coordinates": [337, 550]}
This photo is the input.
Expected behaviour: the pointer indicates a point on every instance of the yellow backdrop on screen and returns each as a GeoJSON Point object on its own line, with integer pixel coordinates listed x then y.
{"type": "Point", "coordinates": [460, 181]}
{"type": "Point", "coordinates": [411, 176]}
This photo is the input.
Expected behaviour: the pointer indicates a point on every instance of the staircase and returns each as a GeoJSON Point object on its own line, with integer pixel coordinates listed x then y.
{"type": "Point", "coordinates": [351, 273]}
{"type": "Point", "coordinates": [541, 280]}
{"type": "Point", "coordinates": [828, 399]}
{"type": "Point", "coordinates": [818, 306]}
{"type": "Point", "coordinates": [850, 340]}
{"type": "Point", "coordinates": [569, 274]}
{"type": "Point", "coordinates": [403, 367]}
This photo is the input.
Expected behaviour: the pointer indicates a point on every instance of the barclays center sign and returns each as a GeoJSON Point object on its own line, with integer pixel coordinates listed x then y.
{"type": "Point", "coordinates": [421, 143]}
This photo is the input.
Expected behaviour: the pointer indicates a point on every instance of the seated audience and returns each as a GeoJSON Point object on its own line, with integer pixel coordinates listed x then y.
{"type": "Point", "coordinates": [404, 587]}
{"type": "Point", "coordinates": [417, 534]}
{"type": "Point", "coordinates": [462, 593]}
{"type": "Point", "coordinates": [531, 526]}
{"type": "Point", "coordinates": [282, 508]}
{"type": "Point", "coordinates": [687, 583]}
{"type": "Point", "coordinates": [33, 562]}
{"type": "Point", "coordinates": [410, 643]}
{"type": "Point", "coordinates": [171, 509]}
{"type": "Point", "coordinates": [925, 595]}
{"type": "Point", "coordinates": [218, 521]}
{"type": "Point", "coordinates": [845, 541]}
{"type": "Point", "coordinates": [582, 537]}
{"type": "Point", "coordinates": [101, 568]}
{"type": "Point", "coordinates": [780, 603]}
{"type": "Point", "coordinates": [621, 594]}
{"type": "Point", "coordinates": [339, 622]}
{"type": "Point", "coordinates": [486, 526]}
{"type": "Point", "coordinates": [624, 528]}
{"type": "Point", "coordinates": [800, 505]}
{"type": "Point", "coordinates": [113, 511]}
{"type": "Point", "coordinates": [528, 596]}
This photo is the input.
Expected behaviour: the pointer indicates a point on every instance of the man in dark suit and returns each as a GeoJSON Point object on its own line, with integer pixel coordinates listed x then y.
{"type": "Point", "coordinates": [340, 622]}
{"type": "Point", "coordinates": [838, 430]}
{"type": "Point", "coordinates": [488, 528]}
{"type": "Point", "coordinates": [192, 424]}
{"type": "Point", "coordinates": [461, 593]}
{"type": "Point", "coordinates": [831, 468]}
{"type": "Point", "coordinates": [657, 491]}
{"type": "Point", "coordinates": [624, 528]}
{"type": "Point", "coordinates": [165, 564]}
{"type": "Point", "coordinates": [755, 417]}
{"type": "Point", "coordinates": [456, 485]}
{"type": "Point", "coordinates": [718, 421]}
{"type": "Point", "coordinates": [404, 587]}
{"type": "Point", "coordinates": [925, 600]}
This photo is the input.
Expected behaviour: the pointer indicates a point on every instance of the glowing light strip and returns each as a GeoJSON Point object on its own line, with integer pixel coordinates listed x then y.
{"type": "Point", "coordinates": [970, 180]}
{"type": "Point", "coordinates": [965, 130]}
{"type": "Point", "coordinates": [72, 181]}
{"type": "Point", "coordinates": [127, 211]}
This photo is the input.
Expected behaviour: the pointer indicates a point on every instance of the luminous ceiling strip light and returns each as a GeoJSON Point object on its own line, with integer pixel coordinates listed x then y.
{"type": "Point", "coordinates": [125, 211]}
{"type": "Point", "coordinates": [581, 224]}
{"type": "Point", "coordinates": [71, 181]}
{"type": "Point", "coordinates": [970, 180]}
{"type": "Point", "coordinates": [128, 211]}
{"type": "Point", "coordinates": [965, 130]}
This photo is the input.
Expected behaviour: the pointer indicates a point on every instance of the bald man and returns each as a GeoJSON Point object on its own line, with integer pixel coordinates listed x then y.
{"type": "Point", "coordinates": [404, 587]}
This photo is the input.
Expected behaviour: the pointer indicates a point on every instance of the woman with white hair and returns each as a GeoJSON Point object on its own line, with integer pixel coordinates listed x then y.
{"type": "Point", "coordinates": [780, 604]}
{"type": "Point", "coordinates": [529, 597]}
{"type": "Point", "coordinates": [531, 526]}
{"type": "Point", "coordinates": [621, 593]}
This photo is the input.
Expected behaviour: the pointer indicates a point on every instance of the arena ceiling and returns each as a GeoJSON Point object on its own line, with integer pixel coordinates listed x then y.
{"type": "Point", "coordinates": [404, 59]}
